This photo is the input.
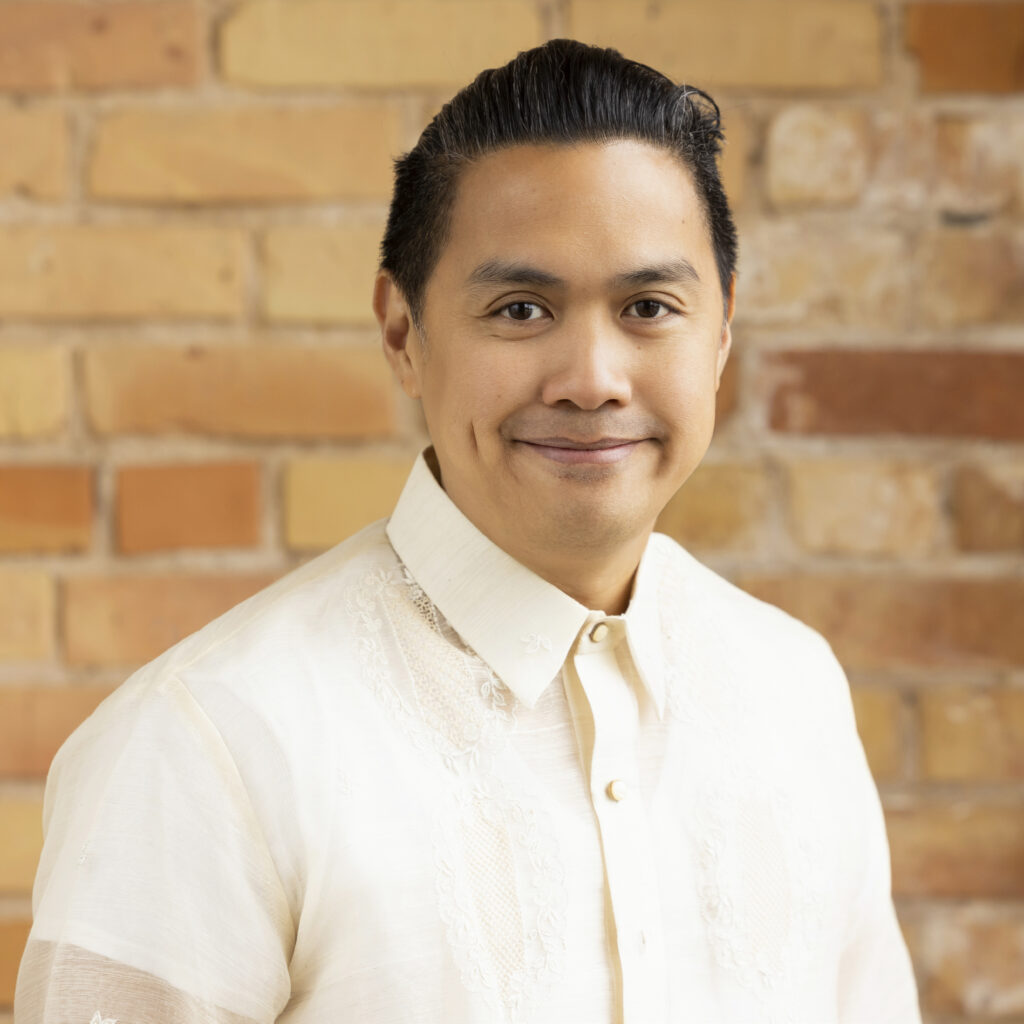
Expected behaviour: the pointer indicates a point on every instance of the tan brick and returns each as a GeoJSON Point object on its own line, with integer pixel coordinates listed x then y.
{"type": "Point", "coordinates": [327, 500]}
{"type": "Point", "coordinates": [970, 734]}
{"type": "Point", "coordinates": [34, 391]}
{"type": "Point", "coordinates": [27, 615]}
{"type": "Point", "coordinates": [36, 720]}
{"type": "Point", "coordinates": [864, 506]}
{"type": "Point", "coordinates": [21, 825]}
{"type": "Point", "coordinates": [773, 44]}
{"type": "Point", "coordinates": [70, 272]}
{"type": "Point", "coordinates": [34, 155]}
{"type": "Point", "coordinates": [246, 154]}
{"type": "Point", "coordinates": [980, 164]}
{"type": "Point", "coordinates": [988, 506]}
{"type": "Point", "coordinates": [389, 44]}
{"type": "Point", "coordinates": [208, 505]}
{"type": "Point", "coordinates": [13, 936]}
{"type": "Point", "coordinates": [59, 46]}
{"type": "Point", "coordinates": [902, 160]}
{"type": "Point", "coordinates": [258, 390]}
{"type": "Point", "coordinates": [321, 274]}
{"type": "Point", "coordinates": [45, 508]}
{"type": "Point", "coordinates": [886, 621]}
{"type": "Point", "coordinates": [971, 277]}
{"type": "Point", "coordinates": [727, 399]}
{"type": "Point", "coordinates": [964, 850]}
{"type": "Point", "coordinates": [735, 155]}
{"type": "Point", "coordinates": [879, 714]}
{"type": "Point", "coordinates": [126, 620]}
{"type": "Point", "coordinates": [967, 47]}
{"type": "Point", "coordinates": [720, 506]}
{"type": "Point", "coordinates": [929, 393]}
{"type": "Point", "coordinates": [968, 960]}
{"type": "Point", "coordinates": [793, 275]}
{"type": "Point", "coordinates": [817, 155]}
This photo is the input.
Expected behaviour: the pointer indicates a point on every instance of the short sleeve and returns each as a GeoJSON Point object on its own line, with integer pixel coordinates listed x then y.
{"type": "Point", "coordinates": [156, 897]}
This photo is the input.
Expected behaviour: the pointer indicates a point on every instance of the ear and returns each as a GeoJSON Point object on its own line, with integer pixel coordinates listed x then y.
{"type": "Point", "coordinates": [399, 336]}
{"type": "Point", "coordinates": [726, 343]}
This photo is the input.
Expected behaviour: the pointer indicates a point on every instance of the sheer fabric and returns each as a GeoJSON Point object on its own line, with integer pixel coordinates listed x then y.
{"type": "Point", "coordinates": [414, 782]}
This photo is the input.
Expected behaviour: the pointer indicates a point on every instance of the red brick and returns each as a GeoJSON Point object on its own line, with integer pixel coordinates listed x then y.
{"type": "Point", "coordinates": [965, 850]}
{"type": "Point", "coordinates": [13, 936]}
{"type": "Point", "coordinates": [885, 621]}
{"type": "Point", "coordinates": [972, 734]}
{"type": "Point", "coordinates": [967, 47]}
{"type": "Point", "coordinates": [59, 46]}
{"type": "Point", "coordinates": [209, 505]}
{"type": "Point", "coordinates": [933, 393]}
{"type": "Point", "coordinates": [257, 390]}
{"type": "Point", "coordinates": [988, 506]}
{"type": "Point", "coordinates": [45, 508]}
{"type": "Point", "coordinates": [126, 620]}
{"type": "Point", "coordinates": [36, 720]}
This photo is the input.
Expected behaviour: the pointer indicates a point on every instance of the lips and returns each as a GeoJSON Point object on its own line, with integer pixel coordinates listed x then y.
{"type": "Point", "coordinates": [600, 451]}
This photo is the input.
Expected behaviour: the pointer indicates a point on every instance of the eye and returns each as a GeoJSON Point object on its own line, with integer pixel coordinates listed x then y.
{"type": "Point", "coordinates": [521, 311]}
{"type": "Point", "coordinates": [650, 309]}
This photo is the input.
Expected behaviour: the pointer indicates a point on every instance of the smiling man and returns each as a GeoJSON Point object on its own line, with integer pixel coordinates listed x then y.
{"type": "Point", "coordinates": [510, 756]}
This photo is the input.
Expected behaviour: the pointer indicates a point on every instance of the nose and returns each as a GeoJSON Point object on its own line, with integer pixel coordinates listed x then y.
{"type": "Point", "coordinates": [588, 366]}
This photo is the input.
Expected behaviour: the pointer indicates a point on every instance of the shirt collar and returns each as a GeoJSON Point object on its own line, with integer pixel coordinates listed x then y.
{"type": "Point", "coordinates": [521, 625]}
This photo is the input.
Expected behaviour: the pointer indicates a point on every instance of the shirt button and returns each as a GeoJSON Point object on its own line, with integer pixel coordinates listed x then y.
{"type": "Point", "coordinates": [599, 632]}
{"type": "Point", "coordinates": [616, 790]}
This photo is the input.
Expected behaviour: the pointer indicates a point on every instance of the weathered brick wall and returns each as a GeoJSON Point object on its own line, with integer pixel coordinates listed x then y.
{"type": "Point", "coordinates": [191, 400]}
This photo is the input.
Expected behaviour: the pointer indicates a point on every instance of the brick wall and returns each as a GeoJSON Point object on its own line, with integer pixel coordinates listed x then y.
{"type": "Point", "coordinates": [191, 400]}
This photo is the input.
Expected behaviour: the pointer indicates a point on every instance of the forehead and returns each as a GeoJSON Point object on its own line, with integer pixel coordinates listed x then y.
{"type": "Point", "coordinates": [576, 211]}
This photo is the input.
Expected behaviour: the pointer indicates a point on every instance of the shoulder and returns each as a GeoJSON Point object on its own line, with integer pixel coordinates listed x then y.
{"type": "Point", "coordinates": [261, 658]}
{"type": "Point", "coordinates": [729, 612]}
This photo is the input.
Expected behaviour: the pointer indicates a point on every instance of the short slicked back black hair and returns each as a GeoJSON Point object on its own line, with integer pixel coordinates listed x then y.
{"type": "Point", "coordinates": [562, 93]}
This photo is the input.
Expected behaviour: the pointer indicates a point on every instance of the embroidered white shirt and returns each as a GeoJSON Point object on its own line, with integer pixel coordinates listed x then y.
{"type": "Point", "coordinates": [413, 782]}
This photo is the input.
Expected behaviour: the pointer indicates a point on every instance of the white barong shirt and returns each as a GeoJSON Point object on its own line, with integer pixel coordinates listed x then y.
{"type": "Point", "coordinates": [414, 782]}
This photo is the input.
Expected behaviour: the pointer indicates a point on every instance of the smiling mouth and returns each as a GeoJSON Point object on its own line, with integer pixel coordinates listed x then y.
{"type": "Point", "coordinates": [602, 451]}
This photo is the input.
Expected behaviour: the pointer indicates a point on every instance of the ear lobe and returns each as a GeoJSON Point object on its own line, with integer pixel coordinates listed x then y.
{"type": "Point", "coordinates": [398, 335]}
{"type": "Point", "coordinates": [726, 343]}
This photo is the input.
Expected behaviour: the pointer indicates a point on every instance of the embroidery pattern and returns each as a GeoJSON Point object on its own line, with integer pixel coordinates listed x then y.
{"type": "Point", "coordinates": [500, 882]}
{"type": "Point", "coordinates": [98, 1018]}
{"type": "Point", "coordinates": [536, 642]}
{"type": "Point", "coordinates": [761, 873]}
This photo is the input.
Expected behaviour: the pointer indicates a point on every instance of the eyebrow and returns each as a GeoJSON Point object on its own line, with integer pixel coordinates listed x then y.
{"type": "Point", "coordinates": [677, 271]}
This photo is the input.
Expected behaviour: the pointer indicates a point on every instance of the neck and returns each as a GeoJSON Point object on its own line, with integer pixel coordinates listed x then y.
{"type": "Point", "coordinates": [605, 586]}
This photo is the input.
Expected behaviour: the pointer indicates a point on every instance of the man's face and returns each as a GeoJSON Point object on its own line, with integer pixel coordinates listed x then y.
{"type": "Point", "coordinates": [573, 341]}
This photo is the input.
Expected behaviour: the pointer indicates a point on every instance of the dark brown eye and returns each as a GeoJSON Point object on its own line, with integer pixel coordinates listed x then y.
{"type": "Point", "coordinates": [521, 310]}
{"type": "Point", "coordinates": [648, 309]}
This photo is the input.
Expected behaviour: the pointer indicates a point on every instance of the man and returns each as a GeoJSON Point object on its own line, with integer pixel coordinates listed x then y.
{"type": "Point", "coordinates": [507, 757]}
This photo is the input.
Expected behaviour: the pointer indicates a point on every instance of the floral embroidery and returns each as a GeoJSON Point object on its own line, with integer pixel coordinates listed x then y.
{"type": "Point", "coordinates": [536, 642]}
{"type": "Point", "coordinates": [98, 1018]}
{"type": "Point", "coordinates": [500, 882]}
